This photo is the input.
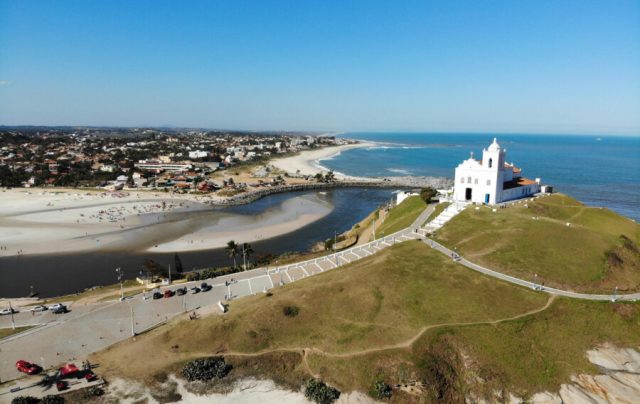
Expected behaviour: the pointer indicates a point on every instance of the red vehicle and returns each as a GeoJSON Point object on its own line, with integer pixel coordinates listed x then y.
{"type": "Point", "coordinates": [28, 368]}
{"type": "Point", "coordinates": [69, 370]}
{"type": "Point", "coordinates": [62, 385]}
{"type": "Point", "coordinates": [168, 293]}
{"type": "Point", "coordinates": [90, 376]}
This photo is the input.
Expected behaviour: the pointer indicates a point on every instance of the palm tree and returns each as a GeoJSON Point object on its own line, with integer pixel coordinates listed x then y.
{"type": "Point", "coordinates": [246, 253]}
{"type": "Point", "coordinates": [232, 251]}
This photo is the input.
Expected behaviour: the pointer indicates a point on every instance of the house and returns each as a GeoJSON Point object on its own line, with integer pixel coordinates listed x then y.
{"type": "Point", "coordinates": [491, 180]}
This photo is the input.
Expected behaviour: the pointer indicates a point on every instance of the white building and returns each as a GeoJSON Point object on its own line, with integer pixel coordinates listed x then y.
{"type": "Point", "coordinates": [198, 154]}
{"type": "Point", "coordinates": [491, 180]}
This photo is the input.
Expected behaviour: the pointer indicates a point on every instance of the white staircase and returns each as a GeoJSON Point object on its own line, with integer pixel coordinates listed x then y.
{"type": "Point", "coordinates": [445, 216]}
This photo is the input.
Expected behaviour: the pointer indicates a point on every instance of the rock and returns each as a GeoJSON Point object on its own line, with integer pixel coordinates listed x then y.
{"type": "Point", "coordinates": [545, 398]}
{"type": "Point", "coordinates": [608, 357]}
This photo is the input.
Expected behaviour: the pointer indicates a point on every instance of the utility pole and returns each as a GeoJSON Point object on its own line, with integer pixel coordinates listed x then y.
{"type": "Point", "coordinates": [335, 239]}
{"type": "Point", "coordinates": [13, 323]}
{"type": "Point", "coordinates": [133, 331]}
{"type": "Point", "coordinates": [119, 272]}
{"type": "Point", "coordinates": [244, 257]}
{"type": "Point", "coordinates": [169, 274]}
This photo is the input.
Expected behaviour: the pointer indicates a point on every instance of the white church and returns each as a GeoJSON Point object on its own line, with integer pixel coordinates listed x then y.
{"type": "Point", "coordinates": [492, 180]}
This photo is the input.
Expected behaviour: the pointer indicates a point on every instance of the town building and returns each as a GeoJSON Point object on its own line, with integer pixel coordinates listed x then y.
{"type": "Point", "coordinates": [491, 180]}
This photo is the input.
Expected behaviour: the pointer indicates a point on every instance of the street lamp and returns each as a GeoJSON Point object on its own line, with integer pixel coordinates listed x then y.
{"type": "Point", "coordinates": [119, 275]}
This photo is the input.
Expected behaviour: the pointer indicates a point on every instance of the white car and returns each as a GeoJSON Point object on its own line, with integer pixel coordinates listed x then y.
{"type": "Point", "coordinates": [40, 308]}
{"type": "Point", "coordinates": [56, 306]}
{"type": "Point", "coordinates": [5, 312]}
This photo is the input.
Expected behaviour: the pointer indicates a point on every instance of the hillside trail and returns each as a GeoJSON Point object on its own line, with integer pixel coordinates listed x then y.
{"type": "Point", "coordinates": [304, 351]}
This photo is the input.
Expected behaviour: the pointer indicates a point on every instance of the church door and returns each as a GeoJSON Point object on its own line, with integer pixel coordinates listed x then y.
{"type": "Point", "coordinates": [486, 198]}
{"type": "Point", "coordinates": [467, 195]}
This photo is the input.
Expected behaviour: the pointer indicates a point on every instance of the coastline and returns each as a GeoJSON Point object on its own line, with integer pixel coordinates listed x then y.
{"type": "Point", "coordinates": [307, 162]}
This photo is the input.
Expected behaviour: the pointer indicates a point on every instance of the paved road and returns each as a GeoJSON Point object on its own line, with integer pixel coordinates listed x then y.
{"type": "Point", "coordinates": [91, 328]}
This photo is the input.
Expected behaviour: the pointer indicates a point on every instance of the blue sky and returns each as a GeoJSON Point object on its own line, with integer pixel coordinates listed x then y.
{"type": "Point", "coordinates": [503, 66]}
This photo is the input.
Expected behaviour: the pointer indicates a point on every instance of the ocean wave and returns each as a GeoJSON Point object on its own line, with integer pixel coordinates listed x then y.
{"type": "Point", "coordinates": [399, 171]}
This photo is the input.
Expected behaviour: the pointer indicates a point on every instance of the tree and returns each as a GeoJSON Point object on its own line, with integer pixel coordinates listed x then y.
{"type": "Point", "coordinates": [427, 193]}
{"type": "Point", "coordinates": [178, 263]}
{"type": "Point", "coordinates": [154, 269]}
{"type": "Point", "coordinates": [329, 176]}
{"type": "Point", "coordinates": [232, 251]}
{"type": "Point", "coordinates": [319, 177]}
{"type": "Point", "coordinates": [247, 251]}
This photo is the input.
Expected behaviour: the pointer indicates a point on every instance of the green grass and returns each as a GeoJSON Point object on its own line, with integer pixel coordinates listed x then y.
{"type": "Point", "coordinates": [384, 299]}
{"type": "Point", "coordinates": [6, 332]}
{"type": "Point", "coordinates": [542, 351]}
{"type": "Point", "coordinates": [402, 215]}
{"type": "Point", "coordinates": [574, 256]}
{"type": "Point", "coordinates": [356, 325]}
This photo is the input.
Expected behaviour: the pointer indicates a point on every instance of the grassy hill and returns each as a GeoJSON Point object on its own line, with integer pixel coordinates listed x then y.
{"type": "Point", "coordinates": [596, 252]}
{"type": "Point", "coordinates": [401, 216]}
{"type": "Point", "coordinates": [405, 314]}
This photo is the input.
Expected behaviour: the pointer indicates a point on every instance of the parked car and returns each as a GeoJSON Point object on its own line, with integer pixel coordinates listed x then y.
{"type": "Point", "coordinates": [205, 287]}
{"type": "Point", "coordinates": [5, 312]}
{"type": "Point", "coordinates": [168, 293]}
{"type": "Point", "coordinates": [195, 290]}
{"type": "Point", "coordinates": [56, 306]}
{"type": "Point", "coordinates": [90, 376]}
{"type": "Point", "coordinates": [181, 291]}
{"type": "Point", "coordinates": [59, 309]}
{"type": "Point", "coordinates": [27, 367]}
{"type": "Point", "coordinates": [40, 308]}
{"type": "Point", "coordinates": [62, 385]}
{"type": "Point", "coordinates": [157, 295]}
{"type": "Point", "coordinates": [69, 370]}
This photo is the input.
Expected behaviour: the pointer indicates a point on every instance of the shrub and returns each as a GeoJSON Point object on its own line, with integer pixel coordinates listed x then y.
{"type": "Point", "coordinates": [382, 390]}
{"type": "Point", "coordinates": [50, 399]}
{"type": "Point", "coordinates": [96, 391]}
{"type": "Point", "coordinates": [317, 391]}
{"type": "Point", "coordinates": [427, 193]}
{"type": "Point", "coordinates": [290, 311]}
{"type": "Point", "coordinates": [206, 369]}
{"type": "Point", "coordinates": [25, 400]}
{"type": "Point", "coordinates": [269, 294]}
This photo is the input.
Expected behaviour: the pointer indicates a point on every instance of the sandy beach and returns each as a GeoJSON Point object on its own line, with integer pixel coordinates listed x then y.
{"type": "Point", "coordinates": [40, 221]}
{"type": "Point", "coordinates": [309, 162]}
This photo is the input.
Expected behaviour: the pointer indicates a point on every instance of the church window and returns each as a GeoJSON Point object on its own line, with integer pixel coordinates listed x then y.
{"type": "Point", "coordinates": [488, 182]}
{"type": "Point", "coordinates": [475, 181]}
{"type": "Point", "coordinates": [490, 163]}
{"type": "Point", "coordinates": [468, 180]}
{"type": "Point", "coordinates": [462, 180]}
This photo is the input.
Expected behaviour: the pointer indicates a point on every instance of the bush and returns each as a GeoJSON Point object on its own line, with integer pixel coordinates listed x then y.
{"type": "Point", "coordinates": [382, 390]}
{"type": "Point", "coordinates": [427, 193]}
{"type": "Point", "coordinates": [96, 391]}
{"type": "Point", "coordinates": [206, 369]}
{"type": "Point", "coordinates": [290, 311]}
{"type": "Point", "coordinates": [50, 399]}
{"type": "Point", "coordinates": [25, 400]}
{"type": "Point", "coordinates": [317, 391]}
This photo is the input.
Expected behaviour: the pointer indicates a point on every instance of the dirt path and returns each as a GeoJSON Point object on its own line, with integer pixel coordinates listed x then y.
{"type": "Point", "coordinates": [304, 351]}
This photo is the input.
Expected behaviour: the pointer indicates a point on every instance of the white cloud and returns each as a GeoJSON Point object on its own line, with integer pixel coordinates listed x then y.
{"type": "Point", "coordinates": [4, 82]}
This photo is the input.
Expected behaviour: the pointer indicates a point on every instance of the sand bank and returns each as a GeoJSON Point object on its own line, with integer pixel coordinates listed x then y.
{"type": "Point", "coordinates": [37, 222]}
{"type": "Point", "coordinates": [309, 162]}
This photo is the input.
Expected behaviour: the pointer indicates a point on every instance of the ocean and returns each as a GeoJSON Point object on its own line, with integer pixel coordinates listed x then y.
{"type": "Point", "coordinates": [597, 170]}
